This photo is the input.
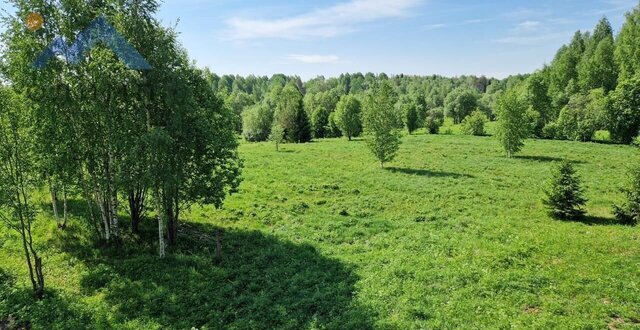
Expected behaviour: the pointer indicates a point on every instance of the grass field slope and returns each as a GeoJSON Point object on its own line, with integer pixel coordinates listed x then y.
{"type": "Point", "coordinates": [451, 234]}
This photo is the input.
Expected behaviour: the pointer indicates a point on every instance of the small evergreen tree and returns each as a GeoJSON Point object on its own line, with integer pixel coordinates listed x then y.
{"type": "Point", "coordinates": [565, 195]}
{"type": "Point", "coordinates": [629, 213]}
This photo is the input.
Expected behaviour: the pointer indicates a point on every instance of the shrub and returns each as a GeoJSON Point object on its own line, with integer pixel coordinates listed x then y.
{"type": "Point", "coordinates": [550, 131]}
{"type": "Point", "coordinates": [580, 119]}
{"type": "Point", "coordinates": [474, 124]}
{"type": "Point", "coordinates": [256, 123]}
{"type": "Point", "coordinates": [629, 213]}
{"type": "Point", "coordinates": [564, 194]}
{"type": "Point", "coordinates": [434, 120]}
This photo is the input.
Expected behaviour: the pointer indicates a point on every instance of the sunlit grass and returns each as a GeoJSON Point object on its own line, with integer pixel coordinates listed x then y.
{"type": "Point", "coordinates": [450, 235]}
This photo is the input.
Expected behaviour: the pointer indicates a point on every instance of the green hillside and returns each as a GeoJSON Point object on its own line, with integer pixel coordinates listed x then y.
{"type": "Point", "coordinates": [451, 234]}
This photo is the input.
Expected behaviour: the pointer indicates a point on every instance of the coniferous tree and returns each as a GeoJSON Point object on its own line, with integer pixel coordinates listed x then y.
{"type": "Point", "coordinates": [629, 212]}
{"type": "Point", "coordinates": [565, 198]}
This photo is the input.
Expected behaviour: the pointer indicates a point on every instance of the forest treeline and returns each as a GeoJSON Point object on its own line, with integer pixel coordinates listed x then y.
{"type": "Point", "coordinates": [591, 84]}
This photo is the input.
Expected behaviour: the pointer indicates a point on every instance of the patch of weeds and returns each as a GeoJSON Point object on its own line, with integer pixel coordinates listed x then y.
{"type": "Point", "coordinates": [300, 208]}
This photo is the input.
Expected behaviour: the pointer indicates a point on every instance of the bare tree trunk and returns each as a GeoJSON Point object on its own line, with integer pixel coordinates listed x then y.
{"type": "Point", "coordinates": [136, 200]}
{"type": "Point", "coordinates": [159, 215]}
{"type": "Point", "coordinates": [112, 198]}
{"type": "Point", "coordinates": [172, 226]}
{"type": "Point", "coordinates": [88, 199]}
{"type": "Point", "coordinates": [64, 207]}
{"type": "Point", "coordinates": [104, 214]}
{"type": "Point", "coordinates": [54, 201]}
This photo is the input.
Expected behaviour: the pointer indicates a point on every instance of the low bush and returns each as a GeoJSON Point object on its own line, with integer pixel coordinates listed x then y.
{"type": "Point", "coordinates": [474, 124]}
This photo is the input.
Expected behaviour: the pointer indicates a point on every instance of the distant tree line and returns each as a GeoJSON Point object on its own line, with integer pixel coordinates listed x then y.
{"type": "Point", "coordinates": [259, 102]}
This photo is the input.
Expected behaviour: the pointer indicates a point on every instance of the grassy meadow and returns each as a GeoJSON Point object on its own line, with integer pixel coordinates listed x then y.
{"type": "Point", "coordinates": [449, 235]}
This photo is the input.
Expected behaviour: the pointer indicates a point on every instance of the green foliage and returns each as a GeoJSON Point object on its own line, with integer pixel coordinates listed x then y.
{"type": "Point", "coordinates": [629, 212]}
{"type": "Point", "coordinates": [277, 135]}
{"type": "Point", "coordinates": [598, 68]}
{"type": "Point", "coordinates": [582, 116]}
{"type": "Point", "coordinates": [319, 108]}
{"type": "Point", "coordinates": [627, 52]}
{"type": "Point", "coordinates": [290, 114]}
{"type": "Point", "coordinates": [565, 196]}
{"type": "Point", "coordinates": [474, 124]}
{"type": "Point", "coordinates": [540, 107]}
{"type": "Point", "coordinates": [550, 131]}
{"type": "Point", "coordinates": [381, 122]}
{"type": "Point", "coordinates": [434, 120]}
{"type": "Point", "coordinates": [411, 116]}
{"type": "Point", "coordinates": [513, 126]}
{"type": "Point", "coordinates": [623, 117]}
{"type": "Point", "coordinates": [460, 103]}
{"type": "Point", "coordinates": [18, 180]}
{"type": "Point", "coordinates": [348, 116]}
{"type": "Point", "coordinates": [256, 123]}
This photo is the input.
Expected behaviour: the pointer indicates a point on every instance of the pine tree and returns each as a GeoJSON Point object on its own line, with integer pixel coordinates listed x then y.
{"type": "Point", "coordinates": [565, 195]}
{"type": "Point", "coordinates": [629, 213]}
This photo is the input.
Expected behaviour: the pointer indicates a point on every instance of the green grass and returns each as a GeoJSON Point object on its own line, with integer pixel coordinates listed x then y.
{"type": "Point", "coordinates": [450, 235]}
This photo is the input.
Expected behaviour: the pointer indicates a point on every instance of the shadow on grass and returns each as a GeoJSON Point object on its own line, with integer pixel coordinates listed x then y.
{"type": "Point", "coordinates": [260, 282]}
{"type": "Point", "coordinates": [547, 159]}
{"type": "Point", "coordinates": [597, 221]}
{"type": "Point", "coordinates": [428, 173]}
{"type": "Point", "coordinates": [19, 309]}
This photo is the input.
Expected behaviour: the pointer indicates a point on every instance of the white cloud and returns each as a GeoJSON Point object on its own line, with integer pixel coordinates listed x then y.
{"type": "Point", "coordinates": [463, 23]}
{"type": "Point", "coordinates": [314, 59]}
{"type": "Point", "coordinates": [527, 26]}
{"type": "Point", "coordinates": [533, 39]}
{"type": "Point", "coordinates": [329, 22]}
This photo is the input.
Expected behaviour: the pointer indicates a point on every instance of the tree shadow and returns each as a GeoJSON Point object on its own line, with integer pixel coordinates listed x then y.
{"type": "Point", "coordinates": [596, 221]}
{"type": "Point", "coordinates": [19, 310]}
{"type": "Point", "coordinates": [428, 173]}
{"type": "Point", "coordinates": [547, 159]}
{"type": "Point", "coordinates": [258, 282]}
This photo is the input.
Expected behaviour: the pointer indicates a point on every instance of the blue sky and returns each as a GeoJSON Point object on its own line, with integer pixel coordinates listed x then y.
{"type": "Point", "coordinates": [329, 37]}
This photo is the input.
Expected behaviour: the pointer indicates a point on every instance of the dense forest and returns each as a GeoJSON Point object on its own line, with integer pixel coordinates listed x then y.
{"type": "Point", "coordinates": [588, 87]}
